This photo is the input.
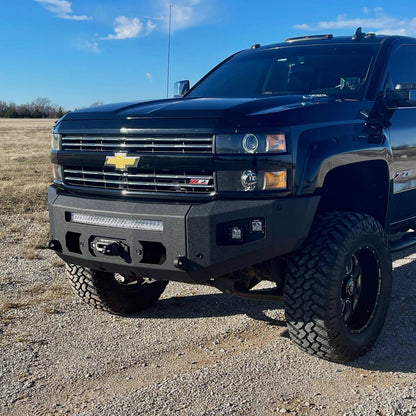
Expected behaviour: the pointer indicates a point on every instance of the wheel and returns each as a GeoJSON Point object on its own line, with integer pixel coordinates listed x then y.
{"type": "Point", "coordinates": [338, 286]}
{"type": "Point", "coordinates": [114, 293]}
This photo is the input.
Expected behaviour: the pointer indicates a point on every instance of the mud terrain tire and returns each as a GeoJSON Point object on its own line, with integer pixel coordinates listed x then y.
{"type": "Point", "coordinates": [338, 286]}
{"type": "Point", "coordinates": [104, 291]}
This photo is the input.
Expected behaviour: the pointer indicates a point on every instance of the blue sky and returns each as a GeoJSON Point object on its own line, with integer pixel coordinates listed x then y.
{"type": "Point", "coordinates": [82, 51]}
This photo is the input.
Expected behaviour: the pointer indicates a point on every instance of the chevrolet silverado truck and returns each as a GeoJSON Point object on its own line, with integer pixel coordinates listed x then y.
{"type": "Point", "coordinates": [292, 163]}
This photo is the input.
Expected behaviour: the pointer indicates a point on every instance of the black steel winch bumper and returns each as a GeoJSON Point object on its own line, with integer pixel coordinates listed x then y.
{"type": "Point", "coordinates": [174, 241]}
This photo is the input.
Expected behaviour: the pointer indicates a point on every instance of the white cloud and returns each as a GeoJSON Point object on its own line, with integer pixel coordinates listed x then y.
{"type": "Point", "coordinates": [185, 13]}
{"type": "Point", "coordinates": [130, 27]}
{"type": "Point", "coordinates": [61, 8]}
{"type": "Point", "coordinates": [149, 76]}
{"type": "Point", "coordinates": [126, 28]}
{"type": "Point", "coordinates": [150, 27]}
{"type": "Point", "coordinates": [379, 22]}
{"type": "Point", "coordinates": [303, 26]}
{"type": "Point", "coordinates": [89, 46]}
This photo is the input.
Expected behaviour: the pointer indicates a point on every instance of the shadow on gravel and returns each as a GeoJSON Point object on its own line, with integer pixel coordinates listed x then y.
{"type": "Point", "coordinates": [395, 350]}
{"type": "Point", "coordinates": [212, 305]}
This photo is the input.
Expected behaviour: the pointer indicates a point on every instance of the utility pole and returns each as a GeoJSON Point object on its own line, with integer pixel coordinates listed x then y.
{"type": "Point", "coordinates": [170, 27]}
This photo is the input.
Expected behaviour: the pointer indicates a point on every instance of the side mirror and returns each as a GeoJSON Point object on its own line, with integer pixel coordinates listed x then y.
{"type": "Point", "coordinates": [181, 88]}
{"type": "Point", "coordinates": [403, 95]}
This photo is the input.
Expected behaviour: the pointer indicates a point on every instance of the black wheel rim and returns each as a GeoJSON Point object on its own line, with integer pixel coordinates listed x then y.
{"type": "Point", "coordinates": [360, 289]}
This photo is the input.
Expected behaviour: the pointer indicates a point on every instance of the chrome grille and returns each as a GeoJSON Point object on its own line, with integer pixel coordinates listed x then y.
{"type": "Point", "coordinates": [160, 144]}
{"type": "Point", "coordinates": [141, 181]}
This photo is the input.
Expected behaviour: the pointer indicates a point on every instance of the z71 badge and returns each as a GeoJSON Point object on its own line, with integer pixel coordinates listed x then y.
{"type": "Point", "coordinates": [402, 174]}
{"type": "Point", "coordinates": [199, 182]}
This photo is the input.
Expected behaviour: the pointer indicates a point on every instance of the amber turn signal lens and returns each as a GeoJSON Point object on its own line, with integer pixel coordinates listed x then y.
{"type": "Point", "coordinates": [276, 143]}
{"type": "Point", "coordinates": [275, 180]}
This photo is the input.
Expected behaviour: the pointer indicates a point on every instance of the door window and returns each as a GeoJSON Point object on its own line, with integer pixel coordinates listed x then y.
{"type": "Point", "coordinates": [403, 65]}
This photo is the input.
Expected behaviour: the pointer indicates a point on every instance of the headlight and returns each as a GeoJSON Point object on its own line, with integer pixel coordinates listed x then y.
{"type": "Point", "coordinates": [251, 143]}
{"type": "Point", "coordinates": [56, 141]}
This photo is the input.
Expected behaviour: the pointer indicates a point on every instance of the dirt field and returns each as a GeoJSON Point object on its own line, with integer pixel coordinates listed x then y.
{"type": "Point", "coordinates": [196, 352]}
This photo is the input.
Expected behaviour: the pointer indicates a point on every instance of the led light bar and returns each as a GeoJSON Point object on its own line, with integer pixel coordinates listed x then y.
{"type": "Point", "coordinates": [129, 223]}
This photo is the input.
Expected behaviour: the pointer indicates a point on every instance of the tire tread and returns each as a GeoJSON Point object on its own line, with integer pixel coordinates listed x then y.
{"type": "Point", "coordinates": [306, 288]}
{"type": "Point", "coordinates": [99, 290]}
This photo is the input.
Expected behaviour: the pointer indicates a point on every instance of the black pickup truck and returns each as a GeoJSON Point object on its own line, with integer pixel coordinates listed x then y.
{"type": "Point", "coordinates": [293, 163]}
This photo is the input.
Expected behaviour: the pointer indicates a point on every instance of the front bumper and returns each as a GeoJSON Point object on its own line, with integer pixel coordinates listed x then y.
{"type": "Point", "coordinates": [191, 248]}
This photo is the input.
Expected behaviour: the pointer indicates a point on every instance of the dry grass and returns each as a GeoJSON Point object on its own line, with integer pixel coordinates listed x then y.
{"type": "Point", "coordinates": [24, 177]}
{"type": "Point", "coordinates": [25, 172]}
{"type": "Point", "coordinates": [46, 295]}
{"type": "Point", "coordinates": [24, 228]}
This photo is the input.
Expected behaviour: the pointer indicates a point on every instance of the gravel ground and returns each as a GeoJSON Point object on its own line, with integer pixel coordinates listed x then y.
{"type": "Point", "coordinates": [196, 352]}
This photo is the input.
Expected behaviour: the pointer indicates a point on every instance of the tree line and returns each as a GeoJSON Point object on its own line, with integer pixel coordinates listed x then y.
{"type": "Point", "coordinates": [40, 108]}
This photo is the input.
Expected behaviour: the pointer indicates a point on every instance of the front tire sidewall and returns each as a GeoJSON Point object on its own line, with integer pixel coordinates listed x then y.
{"type": "Point", "coordinates": [316, 285]}
{"type": "Point", "coordinates": [356, 342]}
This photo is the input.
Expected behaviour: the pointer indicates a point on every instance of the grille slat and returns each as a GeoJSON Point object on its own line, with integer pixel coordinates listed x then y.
{"type": "Point", "coordinates": [131, 139]}
{"type": "Point", "coordinates": [135, 146]}
{"type": "Point", "coordinates": [135, 183]}
{"type": "Point", "coordinates": [156, 182]}
{"type": "Point", "coordinates": [139, 144]}
{"type": "Point", "coordinates": [140, 175]}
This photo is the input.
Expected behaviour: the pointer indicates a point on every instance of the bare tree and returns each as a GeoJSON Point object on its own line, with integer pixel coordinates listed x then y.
{"type": "Point", "coordinates": [41, 107]}
{"type": "Point", "coordinates": [96, 103]}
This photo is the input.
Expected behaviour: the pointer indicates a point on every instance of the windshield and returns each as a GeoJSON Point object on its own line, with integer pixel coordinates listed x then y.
{"type": "Point", "coordinates": [335, 70]}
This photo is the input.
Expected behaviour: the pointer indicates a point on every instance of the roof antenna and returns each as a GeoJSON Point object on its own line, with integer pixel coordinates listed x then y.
{"type": "Point", "coordinates": [358, 35]}
{"type": "Point", "coordinates": [170, 26]}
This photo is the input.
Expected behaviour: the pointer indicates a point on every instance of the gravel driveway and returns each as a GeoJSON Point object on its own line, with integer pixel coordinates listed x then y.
{"type": "Point", "coordinates": [196, 352]}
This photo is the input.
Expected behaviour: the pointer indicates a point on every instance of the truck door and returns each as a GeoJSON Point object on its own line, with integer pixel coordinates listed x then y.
{"type": "Point", "coordinates": [402, 69]}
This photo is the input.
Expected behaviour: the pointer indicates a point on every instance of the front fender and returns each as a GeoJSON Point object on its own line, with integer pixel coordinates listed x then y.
{"type": "Point", "coordinates": [320, 150]}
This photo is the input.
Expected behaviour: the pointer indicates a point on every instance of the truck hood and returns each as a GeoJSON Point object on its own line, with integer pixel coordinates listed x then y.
{"type": "Point", "coordinates": [247, 112]}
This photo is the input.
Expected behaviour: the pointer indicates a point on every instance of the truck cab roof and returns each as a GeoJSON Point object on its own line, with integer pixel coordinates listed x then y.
{"type": "Point", "coordinates": [359, 36]}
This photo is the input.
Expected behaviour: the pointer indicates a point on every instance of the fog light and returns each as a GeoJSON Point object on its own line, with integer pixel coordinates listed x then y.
{"type": "Point", "coordinates": [249, 180]}
{"type": "Point", "coordinates": [275, 180]}
{"type": "Point", "coordinates": [257, 226]}
{"type": "Point", "coordinates": [236, 233]}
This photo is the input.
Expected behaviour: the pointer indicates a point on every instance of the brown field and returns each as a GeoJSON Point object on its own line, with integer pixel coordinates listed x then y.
{"type": "Point", "coordinates": [25, 172]}
{"type": "Point", "coordinates": [24, 177]}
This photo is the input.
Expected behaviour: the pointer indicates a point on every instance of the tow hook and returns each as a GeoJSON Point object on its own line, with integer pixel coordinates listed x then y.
{"type": "Point", "coordinates": [181, 263]}
{"type": "Point", "coordinates": [55, 245]}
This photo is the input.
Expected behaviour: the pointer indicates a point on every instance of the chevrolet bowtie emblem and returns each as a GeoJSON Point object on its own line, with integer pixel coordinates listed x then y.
{"type": "Point", "coordinates": [121, 161]}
